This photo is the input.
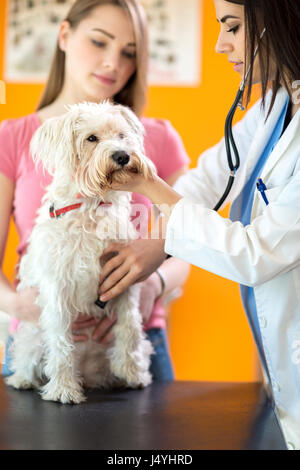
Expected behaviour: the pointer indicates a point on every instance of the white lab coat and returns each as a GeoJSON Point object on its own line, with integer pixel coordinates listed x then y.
{"type": "Point", "coordinates": [265, 254]}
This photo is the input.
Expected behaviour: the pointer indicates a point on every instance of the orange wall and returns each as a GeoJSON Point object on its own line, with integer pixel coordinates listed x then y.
{"type": "Point", "coordinates": [209, 334]}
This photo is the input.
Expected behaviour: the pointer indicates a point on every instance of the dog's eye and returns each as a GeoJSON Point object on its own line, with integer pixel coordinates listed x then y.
{"type": "Point", "coordinates": [93, 138]}
{"type": "Point", "coordinates": [121, 135]}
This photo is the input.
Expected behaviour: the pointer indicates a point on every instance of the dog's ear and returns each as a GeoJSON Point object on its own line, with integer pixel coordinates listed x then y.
{"type": "Point", "coordinates": [133, 121]}
{"type": "Point", "coordinates": [53, 142]}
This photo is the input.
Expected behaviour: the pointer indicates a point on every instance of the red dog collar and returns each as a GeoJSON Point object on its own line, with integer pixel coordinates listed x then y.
{"type": "Point", "coordinates": [55, 214]}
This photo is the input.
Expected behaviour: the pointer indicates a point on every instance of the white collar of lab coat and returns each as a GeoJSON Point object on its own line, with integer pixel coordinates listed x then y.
{"type": "Point", "coordinates": [264, 133]}
{"type": "Point", "coordinates": [291, 133]}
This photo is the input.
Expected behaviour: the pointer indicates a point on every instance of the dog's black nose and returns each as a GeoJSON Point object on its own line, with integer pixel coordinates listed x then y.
{"type": "Point", "coordinates": [121, 158]}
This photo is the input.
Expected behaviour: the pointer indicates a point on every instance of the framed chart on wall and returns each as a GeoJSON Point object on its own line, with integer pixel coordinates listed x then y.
{"type": "Point", "coordinates": [174, 31]}
{"type": "Point", "coordinates": [175, 41]}
{"type": "Point", "coordinates": [31, 33]}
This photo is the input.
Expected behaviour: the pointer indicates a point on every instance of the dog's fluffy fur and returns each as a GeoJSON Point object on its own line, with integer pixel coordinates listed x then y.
{"type": "Point", "coordinates": [62, 260]}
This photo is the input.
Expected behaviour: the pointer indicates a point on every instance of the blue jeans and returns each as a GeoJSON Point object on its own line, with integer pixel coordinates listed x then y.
{"type": "Point", "coordinates": [161, 366]}
{"type": "Point", "coordinates": [6, 366]}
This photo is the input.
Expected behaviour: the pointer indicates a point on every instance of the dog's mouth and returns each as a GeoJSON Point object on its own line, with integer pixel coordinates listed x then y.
{"type": "Point", "coordinates": [97, 180]}
{"type": "Point", "coordinates": [122, 174]}
{"type": "Point", "coordinates": [119, 175]}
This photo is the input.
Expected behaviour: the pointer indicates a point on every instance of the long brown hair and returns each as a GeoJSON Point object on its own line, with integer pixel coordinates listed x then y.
{"type": "Point", "coordinates": [134, 92]}
{"type": "Point", "coordinates": [281, 42]}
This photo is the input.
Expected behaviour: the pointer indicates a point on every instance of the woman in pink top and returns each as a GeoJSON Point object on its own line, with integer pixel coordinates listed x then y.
{"type": "Point", "coordinates": [101, 54]}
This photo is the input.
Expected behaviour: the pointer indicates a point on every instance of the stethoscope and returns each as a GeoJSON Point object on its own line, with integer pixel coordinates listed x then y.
{"type": "Point", "coordinates": [229, 139]}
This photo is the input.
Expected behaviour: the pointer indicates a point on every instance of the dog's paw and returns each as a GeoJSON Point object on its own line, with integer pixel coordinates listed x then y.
{"type": "Point", "coordinates": [19, 382]}
{"type": "Point", "coordinates": [135, 378]}
{"type": "Point", "coordinates": [146, 379]}
{"type": "Point", "coordinates": [66, 395]}
{"type": "Point", "coordinates": [130, 372]}
{"type": "Point", "coordinates": [143, 381]}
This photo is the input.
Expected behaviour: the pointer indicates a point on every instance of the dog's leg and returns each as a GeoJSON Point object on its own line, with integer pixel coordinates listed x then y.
{"type": "Point", "coordinates": [26, 353]}
{"type": "Point", "coordinates": [63, 386]}
{"type": "Point", "coordinates": [130, 354]}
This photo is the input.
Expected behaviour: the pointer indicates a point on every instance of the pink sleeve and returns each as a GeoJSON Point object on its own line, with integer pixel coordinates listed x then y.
{"type": "Point", "coordinates": [163, 145]}
{"type": "Point", "coordinates": [7, 151]}
{"type": "Point", "coordinates": [172, 153]}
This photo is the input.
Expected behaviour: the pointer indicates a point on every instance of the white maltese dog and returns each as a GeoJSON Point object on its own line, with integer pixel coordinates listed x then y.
{"type": "Point", "coordinates": [84, 150]}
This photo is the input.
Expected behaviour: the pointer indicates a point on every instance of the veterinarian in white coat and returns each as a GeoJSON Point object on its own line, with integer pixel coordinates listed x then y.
{"type": "Point", "coordinates": [263, 254]}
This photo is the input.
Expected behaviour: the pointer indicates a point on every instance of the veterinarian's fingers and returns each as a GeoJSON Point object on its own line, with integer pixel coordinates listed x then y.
{"type": "Point", "coordinates": [112, 250]}
{"type": "Point", "coordinates": [110, 266]}
{"type": "Point", "coordinates": [114, 278]}
{"type": "Point", "coordinates": [105, 258]}
{"type": "Point", "coordinates": [112, 247]}
{"type": "Point", "coordinates": [119, 288]}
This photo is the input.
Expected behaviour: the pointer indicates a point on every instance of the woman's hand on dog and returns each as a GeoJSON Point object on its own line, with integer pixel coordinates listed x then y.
{"type": "Point", "coordinates": [103, 330]}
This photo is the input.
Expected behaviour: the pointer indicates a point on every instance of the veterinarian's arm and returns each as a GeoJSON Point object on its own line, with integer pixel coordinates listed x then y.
{"type": "Point", "coordinates": [174, 271]}
{"type": "Point", "coordinates": [156, 189]}
{"type": "Point", "coordinates": [20, 305]}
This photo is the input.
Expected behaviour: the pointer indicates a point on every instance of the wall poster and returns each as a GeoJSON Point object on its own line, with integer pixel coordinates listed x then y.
{"type": "Point", "coordinates": [174, 31]}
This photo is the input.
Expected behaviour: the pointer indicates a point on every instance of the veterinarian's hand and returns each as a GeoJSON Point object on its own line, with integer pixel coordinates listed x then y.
{"type": "Point", "coordinates": [25, 308]}
{"type": "Point", "coordinates": [150, 291]}
{"type": "Point", "coordinates": [132, 263]}
{"type": "Point", "coordinates": [136, 184]}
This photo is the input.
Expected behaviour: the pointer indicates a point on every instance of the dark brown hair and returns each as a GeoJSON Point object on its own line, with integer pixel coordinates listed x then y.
{"type": "Point", "coordinates": [134, 92]}
{"type": "Point", "coordinates": [281, 42]}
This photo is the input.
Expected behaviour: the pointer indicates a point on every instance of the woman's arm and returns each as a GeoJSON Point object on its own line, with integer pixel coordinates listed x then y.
{"type": "Point", "coordinates": [7, 293]}
{"type": "Point", "coordinates": [20, 305]}
{"type": "Point", "coordinates": [175, 272]}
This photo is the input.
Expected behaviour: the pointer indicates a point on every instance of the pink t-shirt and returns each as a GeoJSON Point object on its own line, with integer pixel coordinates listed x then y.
{"type": "Point", "coordinates": [162, 144]}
